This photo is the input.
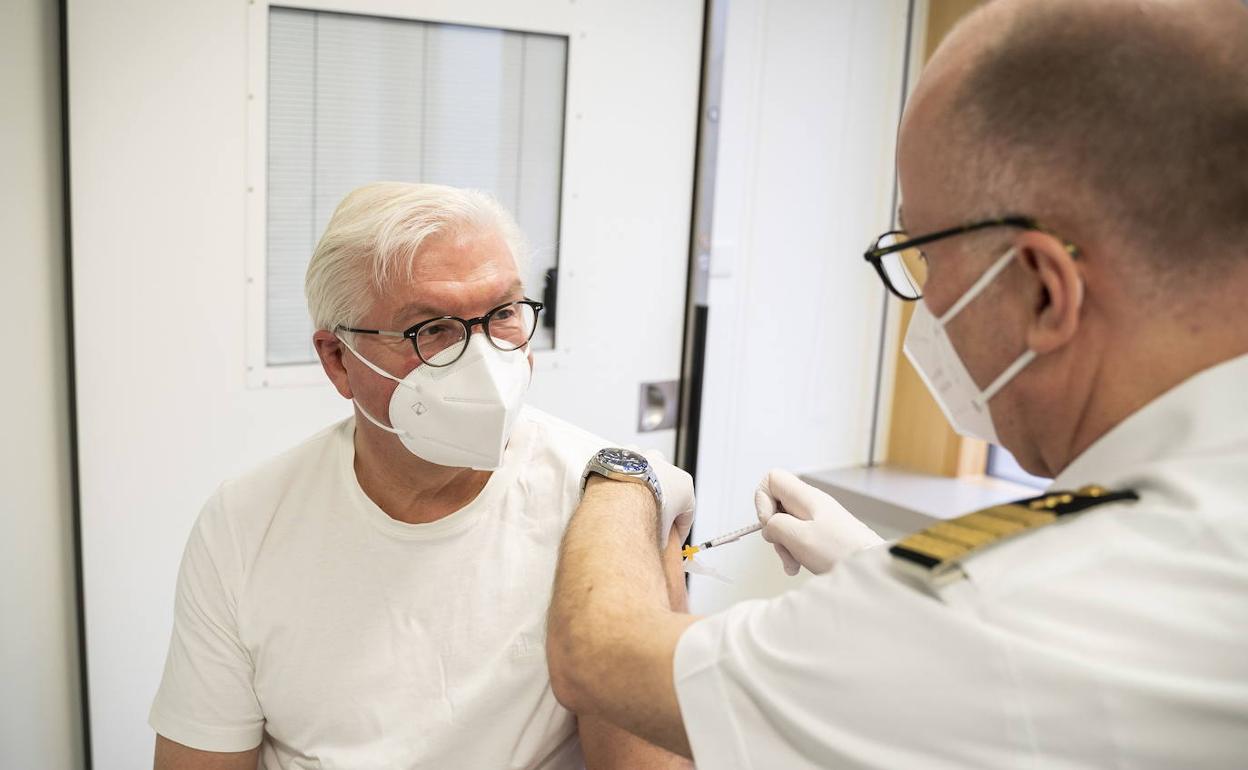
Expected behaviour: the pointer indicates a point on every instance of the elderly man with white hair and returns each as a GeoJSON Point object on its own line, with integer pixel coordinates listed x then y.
{"type": "Point", "coordinates": [376, 596]}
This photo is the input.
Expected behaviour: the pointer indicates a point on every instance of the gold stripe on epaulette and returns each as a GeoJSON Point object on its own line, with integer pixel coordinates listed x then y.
{"type": "Point", "coordinates": [1021, 514]}
{"type": "Point", "coordinates": [936, 551]}
{"type": "Point", "coordinates": [957, 531]}
{"type": "Point", "coordinates": [997, 525]}
{"type": "Point", "coordinates": [934, 546]}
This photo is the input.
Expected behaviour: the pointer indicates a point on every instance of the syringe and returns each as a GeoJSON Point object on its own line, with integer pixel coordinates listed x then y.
{"type": "Point", "coordinates": [729, 537]}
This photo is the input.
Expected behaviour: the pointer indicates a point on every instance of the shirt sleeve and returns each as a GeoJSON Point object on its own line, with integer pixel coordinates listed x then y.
{"type": "Point", "coordinates": [852, 669]}
{"type": "Point", "coordinates": [206, 698]}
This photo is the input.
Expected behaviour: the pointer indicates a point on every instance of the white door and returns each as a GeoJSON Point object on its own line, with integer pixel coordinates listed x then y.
{"type": "Point", "coordinates": [811, 100]}
{"type": "Point", "coordinates": [166, 172]}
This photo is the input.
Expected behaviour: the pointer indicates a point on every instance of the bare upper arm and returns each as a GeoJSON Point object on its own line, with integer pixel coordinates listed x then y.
{"type": "Point", "coordinates": [171, 755]}
{"type": "Point", "coordinates": [606, 746]}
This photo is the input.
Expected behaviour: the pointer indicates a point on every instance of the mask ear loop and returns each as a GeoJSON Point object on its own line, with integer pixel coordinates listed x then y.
{"type": "Point", "coordinates": [368, 363]}
{"type": "Point", "coordinates": [1004, 378]}
{"type": "Point", "coordinates": [1026, 358]}
{"type": "Point", "coordinates": [976, 289]}
{"type": "Point", "coordinates": [383, 373]}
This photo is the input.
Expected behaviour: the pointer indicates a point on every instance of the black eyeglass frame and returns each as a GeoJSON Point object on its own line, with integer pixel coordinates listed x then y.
{"type": "Point", "coordinates": [875, 255]}
{"type": "Point", "coordinates": [483, 321]}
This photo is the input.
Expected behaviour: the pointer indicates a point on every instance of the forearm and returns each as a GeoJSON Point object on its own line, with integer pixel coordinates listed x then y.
{"type": "Point", "coordinates": [611, 633]}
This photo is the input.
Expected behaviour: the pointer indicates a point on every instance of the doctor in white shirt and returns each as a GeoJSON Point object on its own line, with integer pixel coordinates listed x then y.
{"type": "Point", "coordinates": [1075, 181]}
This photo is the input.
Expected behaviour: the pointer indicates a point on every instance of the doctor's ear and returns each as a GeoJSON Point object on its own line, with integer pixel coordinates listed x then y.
{"type": "Point", "coordinates": [331, 351]}
{"type": "Point", "coordinates": [1058, 290]}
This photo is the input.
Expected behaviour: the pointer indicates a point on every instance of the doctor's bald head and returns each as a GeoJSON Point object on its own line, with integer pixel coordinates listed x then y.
{"type": "Point", "coordinates": [1114, 134]}
{"type": "Point", "coordinates": [1120, 123]}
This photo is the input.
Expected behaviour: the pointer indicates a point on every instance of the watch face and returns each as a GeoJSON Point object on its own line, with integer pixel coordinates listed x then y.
{"type": "Point", "coordinates": [623, 461]}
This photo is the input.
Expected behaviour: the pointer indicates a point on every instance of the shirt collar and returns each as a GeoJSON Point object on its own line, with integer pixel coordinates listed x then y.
{"type": "Point", "coordinates": [1207, 410]}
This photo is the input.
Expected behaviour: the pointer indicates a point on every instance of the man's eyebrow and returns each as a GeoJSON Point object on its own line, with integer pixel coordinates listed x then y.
{"type": "Point", "coordinates": [901, 218]}
{"type": "Point", "coordinates": [513, 292]}
{"type": "Point", "coordinates": [516, 289]}
{"type": "Point", "coordinates": [416, 312]}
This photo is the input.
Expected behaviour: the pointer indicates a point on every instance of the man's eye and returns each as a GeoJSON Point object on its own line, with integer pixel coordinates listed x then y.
{"type": "Point", "coordinates": [506, 314]}
{"type": "Point", "coordinates": [434, 330]}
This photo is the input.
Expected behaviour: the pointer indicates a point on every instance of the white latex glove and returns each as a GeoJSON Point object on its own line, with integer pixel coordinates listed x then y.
{"type": "Point", "coordinates": [679, 501]}
{"type": "Point", "coordinates": [807, 527]}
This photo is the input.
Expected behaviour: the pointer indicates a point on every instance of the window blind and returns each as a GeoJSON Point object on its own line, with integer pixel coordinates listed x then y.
{"type": "Point", "coordinates": [356, 99]}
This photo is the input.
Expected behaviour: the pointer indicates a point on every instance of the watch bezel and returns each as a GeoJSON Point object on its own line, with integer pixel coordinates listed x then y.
{"type": "Point", "coordinates": [630, 464]}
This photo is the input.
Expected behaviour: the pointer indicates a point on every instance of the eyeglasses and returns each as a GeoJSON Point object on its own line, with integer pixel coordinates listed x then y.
{"type": "Point", "coordinates": [902, 265]}
{"type": "Point", "coordinates": [441, 341]}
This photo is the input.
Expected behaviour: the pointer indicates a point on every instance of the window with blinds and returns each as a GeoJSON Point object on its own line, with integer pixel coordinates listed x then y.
{"type": "Point", "coordinates": [356, 99]}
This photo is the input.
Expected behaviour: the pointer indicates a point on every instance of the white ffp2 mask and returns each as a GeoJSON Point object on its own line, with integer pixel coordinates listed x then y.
{"type": "Point", "coordinates": [459, 415]}
{"type": "Point", "coordinates": [928, 347]}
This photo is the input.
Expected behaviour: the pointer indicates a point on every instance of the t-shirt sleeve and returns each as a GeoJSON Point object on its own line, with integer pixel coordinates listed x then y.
{"type": "Point", "coordinates": [206, 698]}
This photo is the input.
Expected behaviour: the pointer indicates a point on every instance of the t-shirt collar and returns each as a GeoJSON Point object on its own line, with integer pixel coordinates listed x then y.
{"type": "Point", "coordinates": [514, 458]}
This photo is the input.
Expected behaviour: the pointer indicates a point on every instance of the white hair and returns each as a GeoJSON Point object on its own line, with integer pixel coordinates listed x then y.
{"type": "Point", "coordinates": [376, 233]}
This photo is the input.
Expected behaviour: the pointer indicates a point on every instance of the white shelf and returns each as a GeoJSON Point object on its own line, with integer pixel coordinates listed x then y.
{"type": "Point", "coordinates": [896, 502]}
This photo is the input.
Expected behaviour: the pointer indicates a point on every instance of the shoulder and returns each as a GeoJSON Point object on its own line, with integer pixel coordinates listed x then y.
{"type": "Point", "coordinates": [242, 508]}
{"type": "Point", "coordinates": [270, 480]}
{"type": "Point", "coordinates": [1067, 556]}
{"type": "Point", "coordinates": [550, 438]}
{"type": "Point", "coordinates": [1035, 531]}
{"type": "Point", "coordinates": [551, 455]}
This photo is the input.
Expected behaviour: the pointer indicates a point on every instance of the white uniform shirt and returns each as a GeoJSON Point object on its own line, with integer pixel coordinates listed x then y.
{"type": "Point", "coordinates": [309, 619]}
{"type": "Point", "coordinates": [1117, 637]}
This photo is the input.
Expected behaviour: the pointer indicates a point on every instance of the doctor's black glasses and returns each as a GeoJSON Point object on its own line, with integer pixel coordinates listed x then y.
{"type": "Point", "coordinates": [441, 341]}
{"type": "Point", "coordinates": [902, 266]}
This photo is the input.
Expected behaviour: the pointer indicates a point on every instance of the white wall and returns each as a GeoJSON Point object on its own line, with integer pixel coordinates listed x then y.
{"type": "Point", "coordinates": [165, 185]}
{"type": "Point", "coordinates": [810, 104]}
{"type": "Point", "coordinates": [39, 713]}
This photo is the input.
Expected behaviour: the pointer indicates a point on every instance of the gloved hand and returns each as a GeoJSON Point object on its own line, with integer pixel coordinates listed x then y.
{"type": "Point", "coordinates": [807, 527]}
{"type": "Point", "coordinates": [678, 497]}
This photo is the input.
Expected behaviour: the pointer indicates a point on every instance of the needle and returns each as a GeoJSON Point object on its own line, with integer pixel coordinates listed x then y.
{"type": "Point", "coordinates": [730, 537]}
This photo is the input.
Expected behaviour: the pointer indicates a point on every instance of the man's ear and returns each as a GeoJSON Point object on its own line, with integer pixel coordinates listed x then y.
{"type": "Point", "coordinates": [331, 350]}
{"type": "Point", "coordinates": [1059, 289]}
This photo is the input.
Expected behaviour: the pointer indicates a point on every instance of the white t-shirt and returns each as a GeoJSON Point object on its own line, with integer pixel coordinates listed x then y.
{"type": "Point", "coordinates": [310, 620]}
{"type": "Point", "coordinates": [1117, 637]}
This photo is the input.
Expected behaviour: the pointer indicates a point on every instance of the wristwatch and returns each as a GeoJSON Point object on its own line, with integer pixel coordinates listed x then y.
{"type": "Point", "coordinates": [623, 465]}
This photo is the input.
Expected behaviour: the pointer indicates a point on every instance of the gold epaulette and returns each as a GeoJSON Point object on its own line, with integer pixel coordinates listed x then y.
{"type": "Point", "coordinates": [936, 552]}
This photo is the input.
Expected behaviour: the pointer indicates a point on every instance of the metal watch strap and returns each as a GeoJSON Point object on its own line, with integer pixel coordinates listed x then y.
{"type": "Point", "coordinates": [649, 478]}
